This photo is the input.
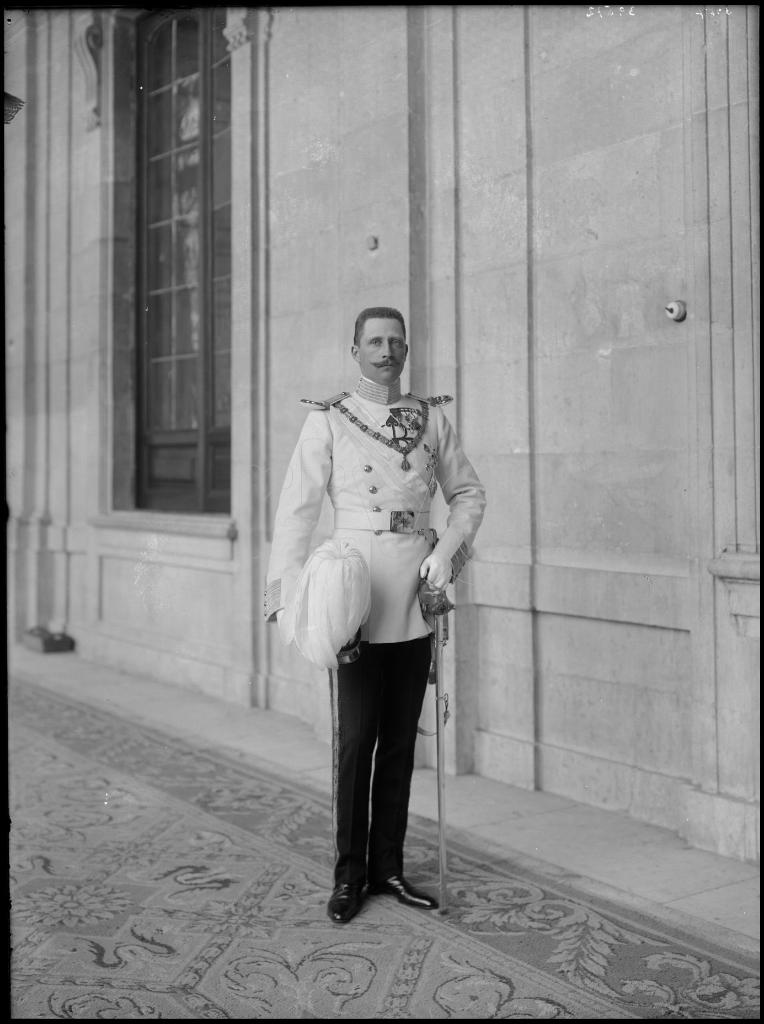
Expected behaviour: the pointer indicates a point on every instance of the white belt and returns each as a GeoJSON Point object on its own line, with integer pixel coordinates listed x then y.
{"type": "Point", "coordinates": [385, 521]}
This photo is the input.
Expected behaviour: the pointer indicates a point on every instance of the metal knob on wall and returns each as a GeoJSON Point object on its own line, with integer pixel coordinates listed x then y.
{"type": "Point", "coordinates": [676, 310]}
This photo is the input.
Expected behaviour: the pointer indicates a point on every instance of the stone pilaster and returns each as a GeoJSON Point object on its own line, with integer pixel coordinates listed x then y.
{"type": "Point", "coordinates": [723, 801]}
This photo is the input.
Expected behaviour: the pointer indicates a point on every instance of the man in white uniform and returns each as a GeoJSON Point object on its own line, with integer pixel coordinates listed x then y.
{"type": "Point", "coordinates": [380, 457]}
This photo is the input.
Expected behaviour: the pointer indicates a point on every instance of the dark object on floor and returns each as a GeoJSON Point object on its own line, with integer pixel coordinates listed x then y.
{"type": "Point", "coordinates": [38, 638]}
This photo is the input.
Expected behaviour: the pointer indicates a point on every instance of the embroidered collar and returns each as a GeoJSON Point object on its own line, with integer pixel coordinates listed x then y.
{"type": "Point", "coordinates": [379, 393]}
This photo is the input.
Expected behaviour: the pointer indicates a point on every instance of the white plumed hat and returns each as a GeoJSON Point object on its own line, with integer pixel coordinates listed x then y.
{"type": "Point", "coordinates": [332, 599]}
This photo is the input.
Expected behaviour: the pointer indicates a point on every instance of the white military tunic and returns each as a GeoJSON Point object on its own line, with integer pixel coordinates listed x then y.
{"type": "Point", "coordinates": [366, 483]}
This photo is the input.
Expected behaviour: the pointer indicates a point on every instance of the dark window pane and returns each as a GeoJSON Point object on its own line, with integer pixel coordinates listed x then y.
{"type": "Point", "coordinates": [173, 393]}
{"type": "Point", "coordinates": [160, 57]}
{"type": "Point", "coordinates": [222, 390]}
{"type": "Point", "coordinates": [222, 308]}
{"type": "Point", "coordinates": [221, 468]}
{"type": "Point", "coordinates": [161, 379]}
{"type": "Point", "coordinates": [187, 111]}
{"type": "Point", "coordinates": [219, 41]}
{"type": "Point", "coordinates": [159, 319]}
{"type": "Point", "coordinates": [176, 465]}
{"type": "Point", "coordinates": [221, 169]}
{"type": "Point", "coordinates": [159, 258]}
{"type": "Point", "coordinates": [221, 97]}
{"type": "Point", "coordinates": [187, 55]}
{"type": "Point", "coordinates": [187, 405]}
{"type": "Point", "coordinates": [160, 122]}
{"type": "Point", "coordinates": [186, 253]}
{"type": "Point", "coordinates": [221, 233]}
{"type": "Point", "coordinates": [159, 190]}
{"type": "Point", "coordinates": [187, 183]}
{"type": "Point", "coordinates": [187, 320]}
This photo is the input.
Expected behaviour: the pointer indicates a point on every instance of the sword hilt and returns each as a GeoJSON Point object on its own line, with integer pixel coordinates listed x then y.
{"type": "Point", "coordinates": [433, 600]}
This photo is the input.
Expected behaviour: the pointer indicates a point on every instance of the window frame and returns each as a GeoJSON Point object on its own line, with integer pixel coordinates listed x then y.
{"type": "Point", "coordinates": [206, 438]}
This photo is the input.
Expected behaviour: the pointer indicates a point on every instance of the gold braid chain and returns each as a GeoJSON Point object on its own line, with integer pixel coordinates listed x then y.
{"type": "Point", "coordinates": [404, 448]}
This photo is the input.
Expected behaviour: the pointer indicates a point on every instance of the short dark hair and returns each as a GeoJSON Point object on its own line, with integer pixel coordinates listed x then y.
{"type": "Point", "coordinates": [377, 313]}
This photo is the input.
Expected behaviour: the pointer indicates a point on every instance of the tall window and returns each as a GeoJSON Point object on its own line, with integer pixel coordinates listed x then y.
{"type": "Point", "coordinates": [184, 262]}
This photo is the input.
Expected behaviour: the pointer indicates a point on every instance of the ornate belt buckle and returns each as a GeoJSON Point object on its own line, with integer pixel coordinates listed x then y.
{"type": "Point", "coordinates": [402, 521]}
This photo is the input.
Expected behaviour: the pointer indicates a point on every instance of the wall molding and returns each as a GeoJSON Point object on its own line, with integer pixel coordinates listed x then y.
{"type": "Point", "coordinates": [88, 45]}
{"type": "Point", "coordinates": [645, 598]}
{"type": "Point", "coordinates": [741, 576]}
{"type": "Point", "coordinates": [736, 566]}
{"type": "Point", "coordinates": [160, 522]}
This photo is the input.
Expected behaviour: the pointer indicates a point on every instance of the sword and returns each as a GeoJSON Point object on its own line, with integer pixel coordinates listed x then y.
{"type": "Point", "coordinates": [437, 605]}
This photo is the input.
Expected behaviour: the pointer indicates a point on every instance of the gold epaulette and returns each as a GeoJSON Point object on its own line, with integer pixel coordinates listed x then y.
{"type": "Point", "coordinates": [435, 399]}
{"type": "Point", "coordinates": [327, 403]}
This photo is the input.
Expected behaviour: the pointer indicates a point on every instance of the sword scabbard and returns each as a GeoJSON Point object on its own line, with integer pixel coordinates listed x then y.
{"type": "Point", "coordinates": [441, 713]}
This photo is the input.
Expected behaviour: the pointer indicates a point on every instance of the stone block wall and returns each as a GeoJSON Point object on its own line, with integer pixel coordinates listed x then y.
{"type": "Point", "coordinates": [531, 186]}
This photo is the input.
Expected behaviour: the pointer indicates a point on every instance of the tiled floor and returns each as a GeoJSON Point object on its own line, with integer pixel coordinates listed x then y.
{"type": "Point", "coordinates": [615, 855]}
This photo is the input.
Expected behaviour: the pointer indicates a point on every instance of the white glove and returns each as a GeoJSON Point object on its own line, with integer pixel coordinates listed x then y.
{"type": "Point", "coordinates": [436, 569]}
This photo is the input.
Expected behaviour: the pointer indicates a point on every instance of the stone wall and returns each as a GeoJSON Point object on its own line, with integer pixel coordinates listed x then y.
{"type": "Point", "coordinates": [531, 186]}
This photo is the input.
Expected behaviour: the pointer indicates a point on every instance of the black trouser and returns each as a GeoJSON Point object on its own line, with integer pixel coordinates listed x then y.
{"type": "Point", "coordinates": [376, 701]}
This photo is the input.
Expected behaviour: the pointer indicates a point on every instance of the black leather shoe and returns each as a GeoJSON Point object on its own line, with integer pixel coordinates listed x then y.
{"type": "Point", "coordinates": [345, 902]}
{"type": "Point", "coordinates": [404, 893]}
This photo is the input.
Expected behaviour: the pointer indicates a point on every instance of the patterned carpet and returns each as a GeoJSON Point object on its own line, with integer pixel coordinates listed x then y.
{"type": "Point", "coordinates": [153, 878]}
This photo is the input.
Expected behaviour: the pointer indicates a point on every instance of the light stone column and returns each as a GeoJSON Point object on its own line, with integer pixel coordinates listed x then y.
{"type": "Point", "coordinates": [248, 32]}
{"type": "Point", "coordinates": [452, 179]}
{"type": "Point", "coordinates": [89, 392]}
{"type": "Point", "coordinates": [722, 804]}
{"type": "Point", "coordinates": [58, 324]}
{"type": "Point", "coordinates": [104, 288]}
{"type": "Point", "coordinates": [21, 44]}
{"type": "Point", "coordinates": [52, 308]}
{"type": "Point", "coordinates": [37, 518]}
{"type": "Point", "coordinates": [432, 306]}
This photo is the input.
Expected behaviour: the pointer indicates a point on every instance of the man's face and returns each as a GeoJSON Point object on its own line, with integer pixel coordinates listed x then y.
{"type": "Point", "coordinates": [381, 350]}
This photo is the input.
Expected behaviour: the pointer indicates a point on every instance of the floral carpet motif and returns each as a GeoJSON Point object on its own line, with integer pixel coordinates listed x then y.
{"type": "Point", "coordinates": [151, 877]}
